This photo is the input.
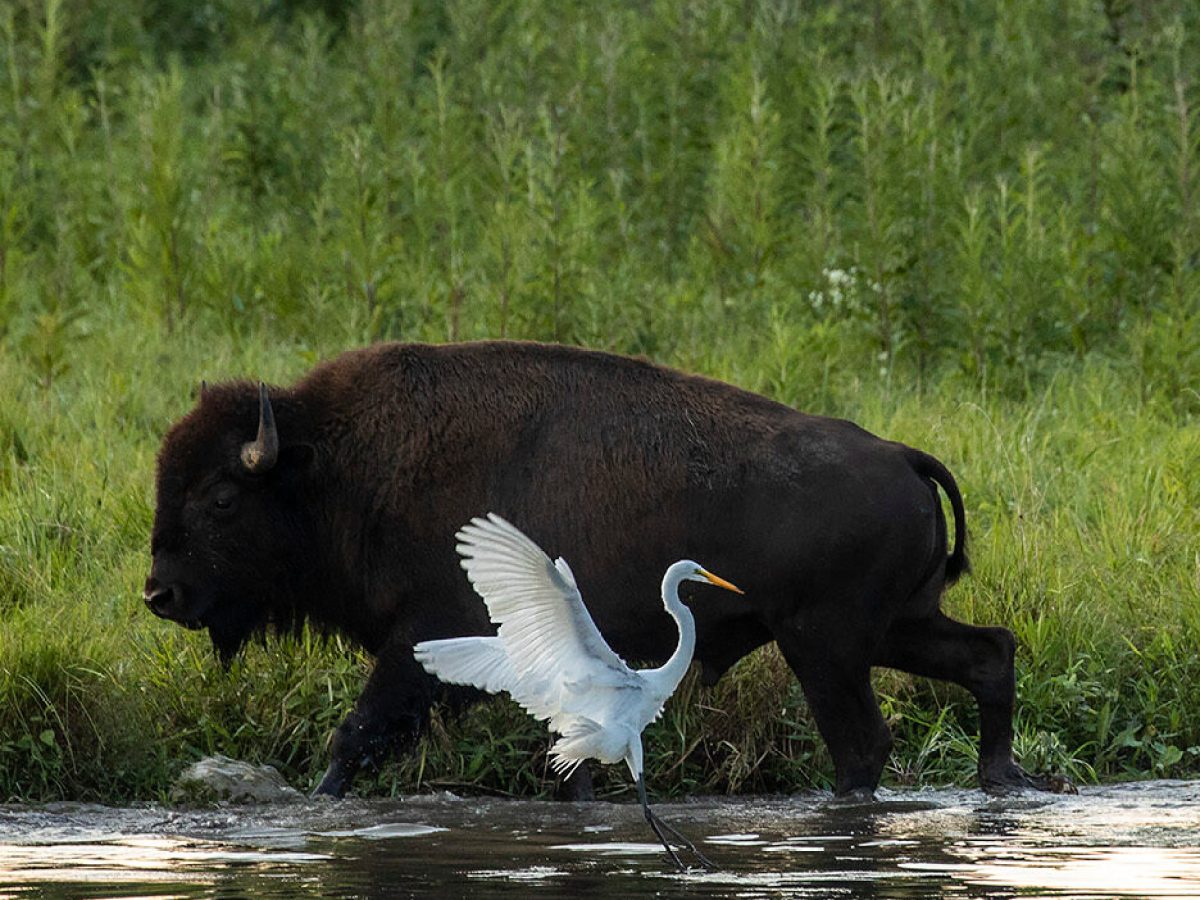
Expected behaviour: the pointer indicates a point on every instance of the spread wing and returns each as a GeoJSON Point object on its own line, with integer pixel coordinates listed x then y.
{"type": "Point", "coordinates": [483, 662]}
{"type": "Point", "coordinates": [476, 661]}
{"type": "Point", "coordinates": [547, 632]}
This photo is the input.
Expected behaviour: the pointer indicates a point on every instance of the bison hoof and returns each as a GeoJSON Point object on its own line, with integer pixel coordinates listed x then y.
{"type": "Point", "coordinates": [855, 795]}
{"type": "Point", "coordinates": [334, 784]}
{"type": "Point", "coordinates": [1012, 779]}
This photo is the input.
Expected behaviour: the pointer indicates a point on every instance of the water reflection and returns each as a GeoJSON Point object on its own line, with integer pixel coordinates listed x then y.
{"type": "Point", "coordinates": [1134, 840]}
{"type": "Point", "coordinates": [1109, 872]}
{"type": "Point", "coordinates": [171, 859]}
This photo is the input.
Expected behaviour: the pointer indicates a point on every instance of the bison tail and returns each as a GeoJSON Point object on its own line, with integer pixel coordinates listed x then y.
{"type": "Point", "coordinates": [929, 467]}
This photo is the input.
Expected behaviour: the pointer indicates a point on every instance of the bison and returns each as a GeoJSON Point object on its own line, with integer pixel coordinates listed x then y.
{"type": "Point", "coordinates": [335, 501]}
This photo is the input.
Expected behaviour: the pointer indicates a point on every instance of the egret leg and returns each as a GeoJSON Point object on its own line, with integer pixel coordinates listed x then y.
{"type": "Point", "coordinates": [659, 826]}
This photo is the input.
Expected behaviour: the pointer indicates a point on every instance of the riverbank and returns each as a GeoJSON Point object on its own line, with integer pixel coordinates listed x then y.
{"type": "Point", "coordinates": [1081, 503]}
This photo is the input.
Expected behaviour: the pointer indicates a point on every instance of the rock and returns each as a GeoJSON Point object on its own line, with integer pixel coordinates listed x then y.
{"type": "Point", "coordinates": [218, 778]}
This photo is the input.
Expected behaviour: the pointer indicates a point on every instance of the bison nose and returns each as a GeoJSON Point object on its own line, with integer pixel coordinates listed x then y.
{"type": "Point", "coordinates": [158, 597]}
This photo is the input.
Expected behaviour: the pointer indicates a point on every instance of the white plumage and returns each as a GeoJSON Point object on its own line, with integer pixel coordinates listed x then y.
{"type": "Point", "coordinates": [550, 657]}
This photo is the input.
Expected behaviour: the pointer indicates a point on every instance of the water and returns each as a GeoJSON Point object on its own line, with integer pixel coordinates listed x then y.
{"type": "Point", "coordinates": [1135, 840]}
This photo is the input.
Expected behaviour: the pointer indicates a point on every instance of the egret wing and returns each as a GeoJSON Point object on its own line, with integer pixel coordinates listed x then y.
{"type": "Point", "coordinates": [475, 661]}
{"type": "Point", "coordinates": [537, 607]}
{"type": "Point", "coordinates": [483, 662]}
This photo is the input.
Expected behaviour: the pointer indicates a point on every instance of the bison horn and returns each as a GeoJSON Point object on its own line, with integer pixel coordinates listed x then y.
{"type": "Point", "coordinates": [259, 455]}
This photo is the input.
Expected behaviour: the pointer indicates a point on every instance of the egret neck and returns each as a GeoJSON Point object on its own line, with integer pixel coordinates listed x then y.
{"type": "Point", "coordinates": [671, 673]}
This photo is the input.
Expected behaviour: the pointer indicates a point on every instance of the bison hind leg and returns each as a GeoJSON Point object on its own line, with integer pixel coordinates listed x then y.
{"type": "Point", "coordinates": [979, 659]}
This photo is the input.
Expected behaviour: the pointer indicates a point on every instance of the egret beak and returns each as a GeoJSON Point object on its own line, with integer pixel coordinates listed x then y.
{"type": "Point", "coordinates": [721, 582]}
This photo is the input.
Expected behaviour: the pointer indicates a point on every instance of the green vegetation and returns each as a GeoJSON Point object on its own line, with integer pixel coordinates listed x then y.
{"type": "Point", "coordinates": [971, 227]}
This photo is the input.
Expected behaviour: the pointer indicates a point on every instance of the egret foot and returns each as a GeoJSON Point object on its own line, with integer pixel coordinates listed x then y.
{"type": "Point", "coordinates": [659, 826]}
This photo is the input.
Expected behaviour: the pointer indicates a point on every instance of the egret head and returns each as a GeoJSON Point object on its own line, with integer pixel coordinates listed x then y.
{"type": "Point", "coordinates": [687, 570]}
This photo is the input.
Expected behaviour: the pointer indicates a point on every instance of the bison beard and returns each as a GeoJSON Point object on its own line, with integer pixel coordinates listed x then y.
{"type": "Point", "coordinates": [336, 500]}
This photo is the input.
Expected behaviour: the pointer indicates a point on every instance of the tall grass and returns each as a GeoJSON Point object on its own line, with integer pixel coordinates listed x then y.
{"type": "Point", "coordinates": [972, 228]}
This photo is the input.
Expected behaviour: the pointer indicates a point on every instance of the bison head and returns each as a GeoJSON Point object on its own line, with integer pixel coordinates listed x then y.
{"type": "Point", "coordinates": [230, 540]}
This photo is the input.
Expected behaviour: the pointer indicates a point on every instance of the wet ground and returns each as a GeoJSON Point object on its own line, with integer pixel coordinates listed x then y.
{"type": "Point", "coordinates": [1134, 840]}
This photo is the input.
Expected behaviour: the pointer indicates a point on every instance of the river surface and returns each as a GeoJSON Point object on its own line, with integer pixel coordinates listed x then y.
{"type": "Point", "coordinates": [1131, 840]}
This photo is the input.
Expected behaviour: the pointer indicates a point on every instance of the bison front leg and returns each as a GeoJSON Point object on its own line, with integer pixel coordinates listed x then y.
{"type": "Point", "coordinates": [577, 786]}
{"type": "Point", "coordinates": [389, 714]}
{"type": "Point", "coordinates": [981, 660]}
{"type": "Point", "coordinates": [838, 689]}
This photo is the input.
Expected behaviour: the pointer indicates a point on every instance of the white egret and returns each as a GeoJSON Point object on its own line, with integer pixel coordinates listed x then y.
{"type": "Point", "coordinates": [550, 657]}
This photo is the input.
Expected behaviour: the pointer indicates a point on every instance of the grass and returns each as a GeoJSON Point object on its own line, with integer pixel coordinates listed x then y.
{"type": "Point", "coordinates": [971, 228]}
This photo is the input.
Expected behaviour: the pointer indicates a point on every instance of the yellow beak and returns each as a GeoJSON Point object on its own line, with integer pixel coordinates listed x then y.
{"type": "Point", "coordinates": [721, 582]}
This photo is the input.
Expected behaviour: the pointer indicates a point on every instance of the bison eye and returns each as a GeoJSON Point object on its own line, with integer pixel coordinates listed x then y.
{"type": "Point", "coordinates": [224, 500]}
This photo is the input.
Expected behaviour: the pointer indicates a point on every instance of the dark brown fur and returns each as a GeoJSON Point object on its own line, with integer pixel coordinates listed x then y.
{"type": "Point", "coordinates": [621, 466]}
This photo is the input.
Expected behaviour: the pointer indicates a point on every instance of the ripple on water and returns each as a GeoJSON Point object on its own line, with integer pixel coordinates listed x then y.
{"type": "Point", "coordinates": [381, 832]}
{"type": "Point", "coordinates": [610, 848]}
{"type": "Point", "coordinates": [531, 874]}
{"type": "Point", "coordinates": [736, 840]}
